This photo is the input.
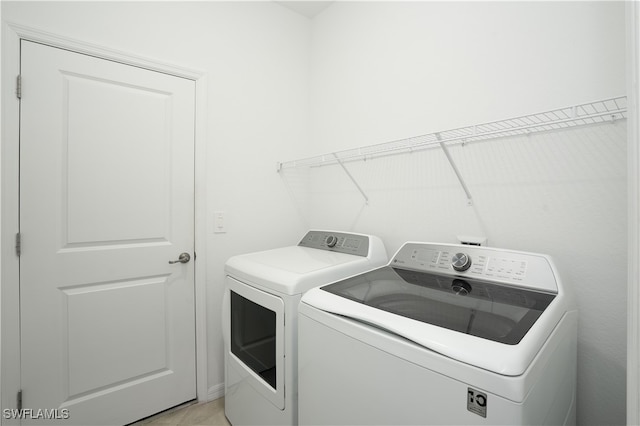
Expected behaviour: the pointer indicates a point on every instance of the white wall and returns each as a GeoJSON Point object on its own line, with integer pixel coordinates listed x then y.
{"type": "Point", "coordinates": [633, 305]}
{"type": "Point", "coordinates": [255, 56]}
{"type": "Point", "coordinates": [388, 70]}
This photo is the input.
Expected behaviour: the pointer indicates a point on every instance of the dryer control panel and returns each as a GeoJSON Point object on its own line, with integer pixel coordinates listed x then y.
{"type": "Point", "coordinates": [513, 267]}
{"type": "Point", "coordinates": [356, 244]}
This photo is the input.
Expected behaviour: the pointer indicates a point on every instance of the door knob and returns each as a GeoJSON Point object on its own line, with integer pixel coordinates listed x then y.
{"type": "Point", "coordinates": [183, 258]}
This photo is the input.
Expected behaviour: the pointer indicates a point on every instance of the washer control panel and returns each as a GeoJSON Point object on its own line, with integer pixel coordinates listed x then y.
{"type": "Point", "coordinates": [356, 244]}
{"type": "Point", "coordinates": [488, 263]}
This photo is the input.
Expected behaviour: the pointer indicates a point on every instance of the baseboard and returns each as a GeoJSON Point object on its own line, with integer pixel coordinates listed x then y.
{"type": "Point", "coordinates": [215, 392]}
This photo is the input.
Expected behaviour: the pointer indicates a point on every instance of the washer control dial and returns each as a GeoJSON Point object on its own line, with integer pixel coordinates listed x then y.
{"type": "Point", "coordinates": [460, 262]}
{"type": "Point", "coordinates": [332, 240]}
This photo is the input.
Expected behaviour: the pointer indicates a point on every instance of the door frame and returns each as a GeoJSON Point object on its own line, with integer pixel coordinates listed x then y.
{"type": "Point", "coordinates": [12, 34]}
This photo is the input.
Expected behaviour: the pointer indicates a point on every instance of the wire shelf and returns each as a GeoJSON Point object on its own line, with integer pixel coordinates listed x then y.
{"type": "Point", "coordinates": [607, 110]}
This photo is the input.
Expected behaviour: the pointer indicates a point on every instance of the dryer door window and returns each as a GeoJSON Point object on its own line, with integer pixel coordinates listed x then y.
{"type": "Point", "coordinates": [253, 337]}
{"type": "Point", "coordinates": [254, 330]}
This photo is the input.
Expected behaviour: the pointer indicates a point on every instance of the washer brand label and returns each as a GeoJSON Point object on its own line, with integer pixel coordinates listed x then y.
{"type": "Point", "coordinates": [477, 402]}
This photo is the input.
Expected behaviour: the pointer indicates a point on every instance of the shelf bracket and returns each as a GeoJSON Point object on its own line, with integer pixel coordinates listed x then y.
{"type": "Point", "coordinates": [443, 145]}
{"type": "Point", "coordinates": [366, 199]}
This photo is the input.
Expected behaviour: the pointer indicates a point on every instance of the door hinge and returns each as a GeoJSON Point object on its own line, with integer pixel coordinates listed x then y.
{"type": "Point", "coordinates": [19, 87]}
{"type": "Point", "coordinates": [19, 400]}
{"type": "Point", "coordinates": [18, 244]}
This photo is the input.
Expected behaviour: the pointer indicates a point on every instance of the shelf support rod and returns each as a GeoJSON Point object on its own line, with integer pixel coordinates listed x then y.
{"type": "Point", "coordinates": [443, 145]}
{"type": "Point", "coordinates": [366, 199]}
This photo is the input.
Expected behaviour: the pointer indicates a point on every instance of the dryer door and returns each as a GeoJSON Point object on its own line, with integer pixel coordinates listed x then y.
{"type": "Point", "coordinates": [255, 340]}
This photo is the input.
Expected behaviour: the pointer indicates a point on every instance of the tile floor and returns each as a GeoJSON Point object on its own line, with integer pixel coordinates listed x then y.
{"type": "Point", "coordinates": [203, 414]}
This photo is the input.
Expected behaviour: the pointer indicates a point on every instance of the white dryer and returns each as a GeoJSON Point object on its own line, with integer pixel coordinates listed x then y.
{"type": "Point", "coordinates": [260, 309]}
{"type": "Point", "coordinates": [444, 334]}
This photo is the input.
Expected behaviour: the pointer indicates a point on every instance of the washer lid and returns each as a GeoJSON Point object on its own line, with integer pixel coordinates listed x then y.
{"type": "Point", "coordinates": [483, 309]}
{"type": "Point", "coordinates": [296, 269]}
{"type": "Point", "coordinates": [501, 329]}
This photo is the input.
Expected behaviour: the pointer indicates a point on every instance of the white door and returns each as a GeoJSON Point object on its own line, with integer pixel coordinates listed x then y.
{"type": "Point", "coordinates": [106, 201]}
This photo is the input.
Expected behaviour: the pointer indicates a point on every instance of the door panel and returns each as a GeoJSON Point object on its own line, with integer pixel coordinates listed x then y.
{"type": "Point", "coordinates": [96, 358]}
{"type": "Point", "coordinates": [106, 200]}
{"type": "Point", "coordinates": [95, 191]}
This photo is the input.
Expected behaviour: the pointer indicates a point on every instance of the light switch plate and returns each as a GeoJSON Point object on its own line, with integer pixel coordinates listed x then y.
{"type": "Point", "coordinates": [219, 226]}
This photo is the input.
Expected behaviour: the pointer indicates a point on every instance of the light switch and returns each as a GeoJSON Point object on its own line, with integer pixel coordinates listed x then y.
{"type": "Point", "coordinates": [218, 223]}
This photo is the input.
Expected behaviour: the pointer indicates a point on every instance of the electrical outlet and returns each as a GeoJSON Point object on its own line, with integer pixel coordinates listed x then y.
{"type": "Point", "coordinates": [472, 240]}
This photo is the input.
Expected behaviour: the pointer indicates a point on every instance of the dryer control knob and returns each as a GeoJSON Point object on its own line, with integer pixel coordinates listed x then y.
{"type": "Point", "coordinates": [332, 241]}
{"type": "Point", "coordinates": [460, 262]}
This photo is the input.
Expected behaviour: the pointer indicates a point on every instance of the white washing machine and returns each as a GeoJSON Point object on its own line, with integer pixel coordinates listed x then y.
{"type": "Point", "coordinates": [444, 334]}
{"type": "Point", "coordinates": [260, 309]}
